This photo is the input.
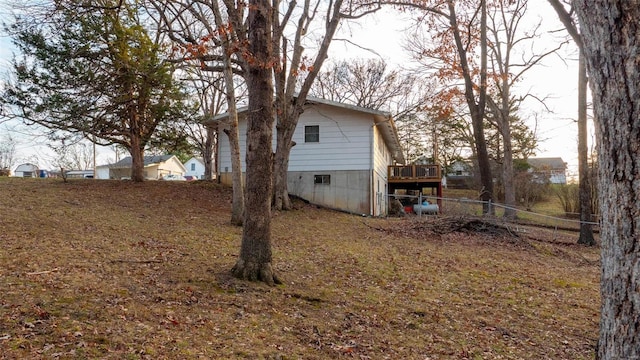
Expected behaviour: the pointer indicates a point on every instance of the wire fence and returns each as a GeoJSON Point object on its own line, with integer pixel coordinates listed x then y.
{"type": "Point", "coordinates": [423, 205]}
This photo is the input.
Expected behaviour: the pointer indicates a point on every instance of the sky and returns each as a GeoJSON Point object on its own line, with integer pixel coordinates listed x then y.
{"type": "Point", "coordinates": [383, 35]}
{"type": "Point", "coordinates": [554, 80]}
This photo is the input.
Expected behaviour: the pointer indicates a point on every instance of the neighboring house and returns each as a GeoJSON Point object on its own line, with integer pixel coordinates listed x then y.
{"type": "Point", "coordinates": [423, 160]}
{"type": "Point", "coordinates": [459, 176]}
{"type": "Point", "coordinates": [195, 167]}
{"type": "Point", "coordinates": [80, 174]}
{"type": "Point", "coordinates": [102, 172]}
{"type": "Point", "coordinates": [27, 170]}
{"type": "Point", "coordinates": [155, 167]}
{"type": "Point", "coordinates": [554, 169]}
{"type": "Point", "coordinates": [340, 156]}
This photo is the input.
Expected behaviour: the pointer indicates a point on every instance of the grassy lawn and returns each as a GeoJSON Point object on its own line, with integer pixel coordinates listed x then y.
{"type": "Point", "coordinates": [117, 270]}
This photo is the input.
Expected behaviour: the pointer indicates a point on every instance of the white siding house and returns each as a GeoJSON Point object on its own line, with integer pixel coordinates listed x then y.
{"type": "Point", "coordinates": [155, 167]}
{"type": "Point", "coordinates": [27, 170]}
{"type": "Point", "coordinates": [554, 169]}
{"type": "Point", "coordinates": [195, 167]}
{"type": "Point", "coordinates": [340, 158]}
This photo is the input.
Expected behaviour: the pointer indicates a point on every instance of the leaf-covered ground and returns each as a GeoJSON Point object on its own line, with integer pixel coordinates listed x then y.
{"type": "Point", "coordinates": [116, 270]}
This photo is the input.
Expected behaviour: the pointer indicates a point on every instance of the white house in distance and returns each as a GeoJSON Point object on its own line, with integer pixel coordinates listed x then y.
{"type": "Point", "coordinates": [155, 167]}
{"type": "Point", "coordinates": [195, 167]}
{"type": "Point", "coordinates": [27, 170]}
{"type": "Point", "coordinates": [340, 158]}
{"type": "Point", "coordinates": [553, 168]}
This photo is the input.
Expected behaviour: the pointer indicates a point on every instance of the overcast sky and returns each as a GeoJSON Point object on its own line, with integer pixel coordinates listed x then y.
{"type": "Point", "coordinates": [555, 80]}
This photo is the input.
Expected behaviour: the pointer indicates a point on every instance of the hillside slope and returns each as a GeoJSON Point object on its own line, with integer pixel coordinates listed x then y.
{"type": "Point", "coordinates": [113, 269]}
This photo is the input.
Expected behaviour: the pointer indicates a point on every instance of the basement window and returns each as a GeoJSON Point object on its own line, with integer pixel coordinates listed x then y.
{"type": "Point", "coordinates": [312, 133]}
{"type": "Point", "coordinates": [322, 179]}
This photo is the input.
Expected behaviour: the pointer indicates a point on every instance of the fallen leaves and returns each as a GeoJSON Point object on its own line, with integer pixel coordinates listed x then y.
{"type": "Point", "coordinates": [142, 271]}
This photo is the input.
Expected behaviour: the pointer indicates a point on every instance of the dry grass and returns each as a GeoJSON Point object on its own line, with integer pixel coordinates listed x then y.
{"type": "Point", "coordinates": [110, 269]}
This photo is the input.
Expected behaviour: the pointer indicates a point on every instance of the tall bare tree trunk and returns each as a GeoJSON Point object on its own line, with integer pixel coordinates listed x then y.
{"type": "Point", "coordinates": [610, 31]}
{"type": "Point", "coordinates": [255, 258]}
{"type": "Point", "coordinates": [507, 160]}
{"type": "Point", "coordinates": [507, 169]}
{"type": "Point", "coordinates": [209, 152]}
{"type": "Point", "coordinates": [584, 176]}
{"type": "Point", "coordinates": [290, 107]}
{"type": "Point", "coordinates": [477, 109]}
{"type": "Point", "coordinates": [237, 201]}
{"type": "Point", "coordinates": [585, 189]}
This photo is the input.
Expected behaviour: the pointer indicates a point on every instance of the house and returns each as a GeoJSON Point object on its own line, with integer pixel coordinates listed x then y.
{"type": "Point", "coordinates": [79, 174]}
{"type": "Point", "coordinates": [553, 169]}
{"type": "Point", "coordinates": [460, 175]}
{"type": "Point", "coordinates": [195, 167]}
{"type": "Point", "coordinates": [27, 170]}
{"type": "Point", "coordinates": [340, 157]}
{"type": "Point", "coordinates": [155, 167]}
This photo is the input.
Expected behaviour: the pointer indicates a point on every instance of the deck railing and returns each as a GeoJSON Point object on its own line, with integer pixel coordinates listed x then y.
{"type": "Point", "coordinates": [414, 172]}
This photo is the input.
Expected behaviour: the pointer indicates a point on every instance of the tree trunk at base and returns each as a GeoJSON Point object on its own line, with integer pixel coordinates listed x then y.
{"type": "Point", "coordinates": [584, 176]}
{"type": "Point", "coordinates": [255, 258]}
{"type": "Point", "coordinates": [137, 160]}
{"type": "Point", "coordinates": [611, 43]}
{"type": "Point", "coordinates": [255, 271]}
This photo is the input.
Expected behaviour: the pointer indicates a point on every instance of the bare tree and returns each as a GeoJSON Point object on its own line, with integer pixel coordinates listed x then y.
{"type": "Point", "coordinates": [7, 153]}
{"type": "Point", "coordinates": [254, 262]}
{"type": "Point", "coordinates": [462, 36]}
{"type": "Point", "coordinates": [292, 63]}
{"type": "Point", "coordinates": [508, 65]}
{"type": "Point", "coordinates": [211, 100]}
{"type": "Point", "coordinates": [584, 178]}
{"type": "Point", "coordinates": [371, 84]}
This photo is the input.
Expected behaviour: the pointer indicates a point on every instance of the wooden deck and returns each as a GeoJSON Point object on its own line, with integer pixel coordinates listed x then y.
{"type": "Point", "coordinates": [416, 178]}
{"type": "Point", "coordinates": [414, 173]}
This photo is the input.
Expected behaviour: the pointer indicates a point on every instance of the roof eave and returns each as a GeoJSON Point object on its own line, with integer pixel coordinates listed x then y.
{"type": "Point", "coordinates": [390, 135]}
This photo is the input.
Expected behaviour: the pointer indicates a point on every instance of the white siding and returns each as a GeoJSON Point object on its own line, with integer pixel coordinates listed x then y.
{"type": "Point", "coordinates": [102, 172]}
{"type": "Point", "coordinates": [198, 166]}
{"type": "Point", "coordinates": [224, 151]}
{"type": "Point", "coordinates": [351, 150]}
{"type": "Point", "coordinates": [344, 141]}
{"type": "Point", "coordinates": [382, 159]}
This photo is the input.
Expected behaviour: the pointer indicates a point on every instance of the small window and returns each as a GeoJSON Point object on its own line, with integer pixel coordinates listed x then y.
{"type": "Point", "coordinates": [459, 172]}
{"type": "Point", "coordinates": [322, 179]}
{"type": "Point", "coordinates": [312, 134]}
{"type": "Point", "coordinates": [193, 166]}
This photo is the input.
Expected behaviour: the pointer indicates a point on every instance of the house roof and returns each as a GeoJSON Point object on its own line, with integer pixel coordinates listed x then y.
{"type": "Point", "coordinates": [148, 160]}
{"type": "Point", "coordinates": [198, 159]}
{"type": "Point", "coordinates": [27, 167]}
{"type": "Point", "coordinates": [381, 119]}
{"type": "Point", "coordinates": [555, 163]}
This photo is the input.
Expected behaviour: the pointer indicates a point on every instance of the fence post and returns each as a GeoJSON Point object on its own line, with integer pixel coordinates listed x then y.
{"type": "Point", "coordinates": [420, 204]}
{"type": "Point", "coordinates": [490, 207]}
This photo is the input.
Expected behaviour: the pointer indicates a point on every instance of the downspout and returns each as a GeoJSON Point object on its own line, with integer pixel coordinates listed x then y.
{"type": "Point", "coordinates": [372, 195]}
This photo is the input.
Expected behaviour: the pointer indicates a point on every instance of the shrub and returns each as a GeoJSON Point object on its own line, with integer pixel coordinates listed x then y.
{"type": "Point", "coordinates": [569, 196]}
